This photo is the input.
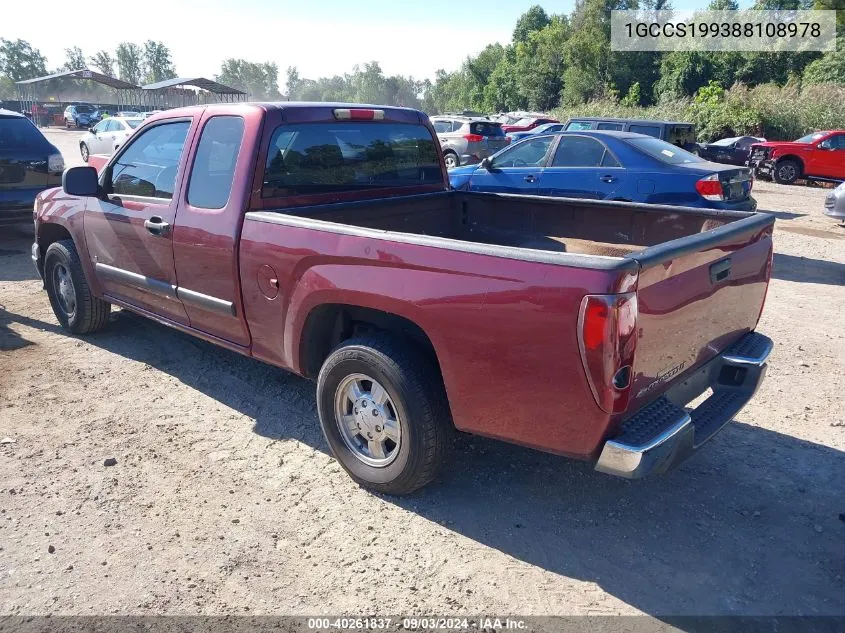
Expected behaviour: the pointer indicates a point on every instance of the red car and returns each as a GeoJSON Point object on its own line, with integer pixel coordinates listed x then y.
{"type": "Point", "coordinates": [817, 156]}
{"type": "Point", "coordinates": [528, 123]}
{"type": "Point", "coordinates": [325, 239]}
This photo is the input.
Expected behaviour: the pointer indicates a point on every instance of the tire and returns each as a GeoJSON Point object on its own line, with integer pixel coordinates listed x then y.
{"type": "Point", "coordinates": [787, 171]}
{"type": "Point", "coordinates": [414, 398]}
{"type": "Point", "coordinates": [77, 310]}
{"type": "Point", "coordinates": [67, 124]}
{"type": "Point", "coordinates": [83, 149]}
{"type": "Point", "coordinates": [452, 160]}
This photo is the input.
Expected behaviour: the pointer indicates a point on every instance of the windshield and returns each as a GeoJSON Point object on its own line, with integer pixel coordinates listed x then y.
{"type": "Point", "coordinates": [811, 138]}
{"type": "Point", "coordinates": [726, 141]}
{"type": "Point", "coordinates": [663, 151]}
{"type": "Point", "coordinates": [327, 157]}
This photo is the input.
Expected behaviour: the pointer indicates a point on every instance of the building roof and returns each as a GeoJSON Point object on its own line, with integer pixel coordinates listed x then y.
{"type": "Point", "coordinates": [197, 82]}
{"type": "Point", "coordinates": [84, 73]}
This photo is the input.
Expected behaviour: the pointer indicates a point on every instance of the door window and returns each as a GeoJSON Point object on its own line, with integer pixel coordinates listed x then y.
{"type": "Point", "coordinates": [530, 153]}
{"type": "Point", "coordinates": [837, 142]}
{"type": "Point", "coordinates": [214, 163]}
{"type": "Point", "coordinates": [648, 130]}
{"type": "Point", "coordinates": [101, 126]}
{"type": "Point", "coordinates": [579, 125]}
{"type": "Point", "coordinates": [578, 151]}
{"type": "Point", "coordinates": [148, 166]}
{"type": "Point", "coordinates": [616, 127]}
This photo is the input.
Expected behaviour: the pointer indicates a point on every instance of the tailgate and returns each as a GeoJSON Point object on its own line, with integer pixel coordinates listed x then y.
{"type": "Point", "coordinates": [696, 296]}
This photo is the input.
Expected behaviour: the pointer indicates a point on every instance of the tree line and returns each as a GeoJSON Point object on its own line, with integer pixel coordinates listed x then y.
{"type": "Point", "coordinates": [553, 61]}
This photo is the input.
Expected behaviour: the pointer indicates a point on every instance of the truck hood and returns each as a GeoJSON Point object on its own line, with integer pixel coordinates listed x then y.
{"type": "Point", "coordinates": [786, 144]}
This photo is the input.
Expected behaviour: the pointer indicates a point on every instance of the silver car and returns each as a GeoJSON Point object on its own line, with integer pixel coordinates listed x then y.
{"type": "Point", "coordinates": [834, 204]}
{"type": "Point", "coordinates": [107, 136]}
{"type": "Point", "coordinates": [468, 140]}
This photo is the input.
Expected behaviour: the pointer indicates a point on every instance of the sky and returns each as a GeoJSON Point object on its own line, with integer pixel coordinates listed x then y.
{"type": "Point", "coordinates": [319, 37]}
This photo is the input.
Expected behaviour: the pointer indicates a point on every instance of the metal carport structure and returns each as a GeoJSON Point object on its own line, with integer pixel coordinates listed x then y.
{"type": "Point", "coordinates": [175, 92]}
{"type": "Point", "coordinates": [126, 92]}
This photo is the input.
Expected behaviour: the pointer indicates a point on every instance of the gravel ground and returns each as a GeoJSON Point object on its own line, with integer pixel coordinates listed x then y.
{"type": "Point", "coordinates": [223, 498]}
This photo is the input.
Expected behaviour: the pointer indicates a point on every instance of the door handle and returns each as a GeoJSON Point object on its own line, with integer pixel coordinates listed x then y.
{"type": "Point", "coordinates": [607, 178]}
{"type": "Point", "coordinates": [157, 226]}
{"type": "Point", "coordinates": [720, 271]}
{"type": "Point", "coordinates": [530, 178]}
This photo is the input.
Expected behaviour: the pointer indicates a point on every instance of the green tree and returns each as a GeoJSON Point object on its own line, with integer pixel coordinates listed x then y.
{"type": "Point", "coordinates": [103, 61]}
{"type": "Point", "coordinates": [532, 20]}
{"type": "Point", "coordinates": [293, 81]}
{"type": "Point", "coordinates": [829, 69]}
{"type": "Point", "coordinates": [259, 81]}
{"type": "Point", "coordinates": [157, 62]}
{"type": "Point", "coordinates": [633, 98]}
{"type": "Point", "coordinates": [19, 61]}
{"type": "Point", "coordinates": [130, 62]}
{"type": "Point", "coordinates": [75, 59]}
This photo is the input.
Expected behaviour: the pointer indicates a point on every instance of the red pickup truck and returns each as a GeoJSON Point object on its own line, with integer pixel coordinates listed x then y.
{"type": "Point", "coordinates": [324, 239]}
{"type": "Point", "coordinates": [817, 156]}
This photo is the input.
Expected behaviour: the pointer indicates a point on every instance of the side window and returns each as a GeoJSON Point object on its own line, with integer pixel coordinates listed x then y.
{"type": "Point", "coordinates": [214, 163]}
{"type": "Point", "coordinates": [101, 126]}
{"type": "Point", "coordinates": [578, 151]}
{"type": "Point", "coordinates": [617, 127]}
{"type": "Point", "coordinates": [649, 130]}
{"type": "Point", "coordinates": [579, 125]}
{"type": "Point", "coordinates": [148, 166]}
{"type": "Point", "coordinates": [838, 141]}
{"type": "Point", "coordinates": [457, 125]}
{"type": "Point", "coordinates": [609, 161]}
{"type": "Point", "coordinates": [530, 153]}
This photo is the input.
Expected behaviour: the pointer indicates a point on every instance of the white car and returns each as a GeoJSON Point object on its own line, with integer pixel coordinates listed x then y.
{"type": "Point", "coordinates": [107, 136]}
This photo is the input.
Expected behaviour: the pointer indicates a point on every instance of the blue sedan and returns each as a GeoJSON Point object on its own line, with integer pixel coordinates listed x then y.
{"type": "Point", "coordinates": [604, 165]}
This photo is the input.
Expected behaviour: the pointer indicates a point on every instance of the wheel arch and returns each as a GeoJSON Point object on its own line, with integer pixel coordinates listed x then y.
{"type": "Point", "coordinates": [792, 157]}
{"type": "Point", "coordinates": [329, 324]}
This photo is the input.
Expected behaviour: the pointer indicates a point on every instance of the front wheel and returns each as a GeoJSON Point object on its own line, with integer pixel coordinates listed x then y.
{"type": "Point", "coordinates": [384, 413]}
{"type": "Point", "coordinates": [77, 310]}
{"type": "Point", "coordinates": [83, 149]}
{"type": "Point", "coordinates": [787, 171]}
{"type": "Point", "coordinates": [452, 160]}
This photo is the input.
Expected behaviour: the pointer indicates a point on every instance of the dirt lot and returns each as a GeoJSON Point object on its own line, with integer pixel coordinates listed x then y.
{"type": "Point", "coordinates": [224, 499]}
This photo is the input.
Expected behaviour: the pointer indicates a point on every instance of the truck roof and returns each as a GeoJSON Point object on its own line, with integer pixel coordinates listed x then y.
{"type": "Point", "coordinates": [287, 105]}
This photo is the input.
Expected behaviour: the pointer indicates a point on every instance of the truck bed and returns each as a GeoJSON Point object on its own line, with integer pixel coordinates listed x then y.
{"type": "Point", "coordinates": [700, 277]}
{"type": "Point", "coordinates": [586, 227]}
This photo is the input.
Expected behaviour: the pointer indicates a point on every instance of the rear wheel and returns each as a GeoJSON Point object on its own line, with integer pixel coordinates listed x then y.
{"type": "Point", "coordinates": [83, 149]}
{"type": "Point", "coordinates": [77, 310]}
{"type": "Point", "coordinates": [787, 171]}
{"type": "Point", "coordinates": [452, 160]}
{"type": "Point", "coordinates": [384, 413]}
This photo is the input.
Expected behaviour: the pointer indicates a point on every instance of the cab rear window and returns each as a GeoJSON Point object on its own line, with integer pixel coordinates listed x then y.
{"type": "Point", "coordinates": [347, 156]}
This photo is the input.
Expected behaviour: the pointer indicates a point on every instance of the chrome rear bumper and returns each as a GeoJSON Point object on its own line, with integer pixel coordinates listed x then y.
{"type": "Point", "coordinates": [664, 433]}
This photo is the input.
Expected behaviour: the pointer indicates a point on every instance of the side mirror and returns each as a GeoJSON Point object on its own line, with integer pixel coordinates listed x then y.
{"type": "Point", "coordinates": [486, 163]}
{"type": "Point", "coordinates": [80, 181]}
{"type": "Point", "coordinates": [91, 129]}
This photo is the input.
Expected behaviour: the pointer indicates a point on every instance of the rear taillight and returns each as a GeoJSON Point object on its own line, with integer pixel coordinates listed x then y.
{"type": "Point", "coordinates": [607, 328]}
{"type": "Point", "coordinates": [474, 138]}
{"type": "Point", "coordinates": [358, 114]}
{"type": "Point", "coordinates": [710, 187]}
